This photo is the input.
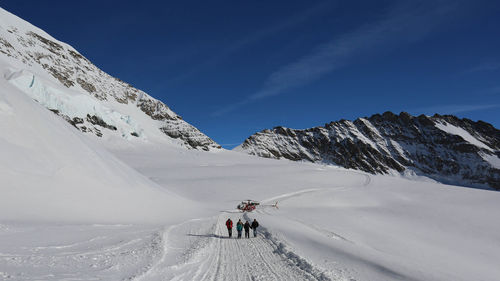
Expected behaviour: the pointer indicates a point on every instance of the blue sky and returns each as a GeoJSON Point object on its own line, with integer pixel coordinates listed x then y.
{"type": "Point", "coordinates": [232, 68]}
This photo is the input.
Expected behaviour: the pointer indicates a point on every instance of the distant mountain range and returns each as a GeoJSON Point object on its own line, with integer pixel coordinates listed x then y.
{"type": "Point", "coordinates": [445, 148]}
{"type": "Point", "coordinates": [61, 79]}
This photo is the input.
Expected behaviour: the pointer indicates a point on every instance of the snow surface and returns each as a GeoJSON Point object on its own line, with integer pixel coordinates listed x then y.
{"type": "Point", "coordinates": [76, 252]}
{"type": "Point", "coordinates": [492, 159]}
{"type": "Point", "coordinates": [454, 130]}
{"type": "Point", "coordinates": [347, 224]}
{"type": "Point", "coordinates": [51, 172]}
{"type": "Point", "coordinates": [72, 103]}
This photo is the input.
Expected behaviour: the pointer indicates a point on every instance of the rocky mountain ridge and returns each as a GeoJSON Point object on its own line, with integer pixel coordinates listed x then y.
{"type": "Point", "coordinates": [90, 99]}
{"type": "Point", "coordinates": [445, 148]}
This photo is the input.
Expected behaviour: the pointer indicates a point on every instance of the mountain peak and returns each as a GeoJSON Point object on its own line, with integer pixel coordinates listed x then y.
{"type": "Point", "coordinates": [58, 77]}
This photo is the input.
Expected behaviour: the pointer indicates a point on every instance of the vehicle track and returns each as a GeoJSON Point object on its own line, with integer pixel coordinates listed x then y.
{"type": "Point", "coordinates": [208, 253]}
{"type": "Point", "coordinates": [219, 258]}
{"type": "Point", "coordinates": [252, 259]}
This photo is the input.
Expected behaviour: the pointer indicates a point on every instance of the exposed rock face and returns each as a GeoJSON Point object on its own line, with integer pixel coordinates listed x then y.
{"type": "Point", "coordinates": [37, 50]}
{"type": "Point", "coordinates": [445, 148]}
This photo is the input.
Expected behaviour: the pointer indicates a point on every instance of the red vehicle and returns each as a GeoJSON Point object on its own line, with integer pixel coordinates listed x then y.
{"type": "Point", "coordinates": [250, 205]}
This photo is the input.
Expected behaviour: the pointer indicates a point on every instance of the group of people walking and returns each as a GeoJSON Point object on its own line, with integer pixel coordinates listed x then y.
{"type": "Point", "coordinates": [240, 226]}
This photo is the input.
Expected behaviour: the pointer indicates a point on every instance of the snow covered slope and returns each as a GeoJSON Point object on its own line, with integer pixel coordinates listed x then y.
{"type": "Point", "coordinates": [332, 224]}
{"type": "Point", "coordinates": [445, 148]}
{"type": "Point", "coordinates": [51, 172]}
{"type": "Point", "coordinates": [61, 79]}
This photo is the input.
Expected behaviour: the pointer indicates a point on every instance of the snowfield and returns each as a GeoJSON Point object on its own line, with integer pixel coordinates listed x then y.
{"type": "Point", "coordinates": [74, 207]}
{"type": "Point", "coordinates": [343, 224]}
{"type": "Point", "coordinates": [77, 207]}
{"type": "Point", "coordinates": [332, 224]}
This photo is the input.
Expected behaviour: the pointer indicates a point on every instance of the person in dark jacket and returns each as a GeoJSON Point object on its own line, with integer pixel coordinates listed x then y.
{"type": "Point", "coordinates": [239, 228]}
{"type": "Point", "coordinates": [247, 229]}
{"type": "Point", "coordinates": [255, 224]}
{"type": "Point", "coordinates": [229, 225]}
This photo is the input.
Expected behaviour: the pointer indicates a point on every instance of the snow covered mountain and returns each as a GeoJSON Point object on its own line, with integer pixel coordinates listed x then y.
{"type": "Point", "coordinates": [61, 79]}
{"type": "Point", "coordinates": [51, 172]}
{"type": "Point", "coordinates": [445, 148]}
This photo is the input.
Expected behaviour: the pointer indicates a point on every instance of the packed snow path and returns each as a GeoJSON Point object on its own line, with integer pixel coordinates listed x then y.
{"type": "Point", "coordinates": [210, 255]}
{"type": "Point", "coordinates": [198, 249]}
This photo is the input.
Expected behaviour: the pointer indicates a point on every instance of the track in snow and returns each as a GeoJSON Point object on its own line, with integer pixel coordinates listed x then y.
{"type": "Point", "coordinates": [209, 255]}
{"type": "Point", "coordinates": [194, 250]}
{"type": "Point", "coordinates": [77, 252]}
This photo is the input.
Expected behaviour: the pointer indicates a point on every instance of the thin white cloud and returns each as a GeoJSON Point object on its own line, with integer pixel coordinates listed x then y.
{"type": "Point", "coordinates": [487, 66]}
{"type": "Point", "coordinates": [406, 22]}
{"type": "Point", "coordinates": [495, 90]}
{"type": "Point", "coordinates": [254, 37]}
